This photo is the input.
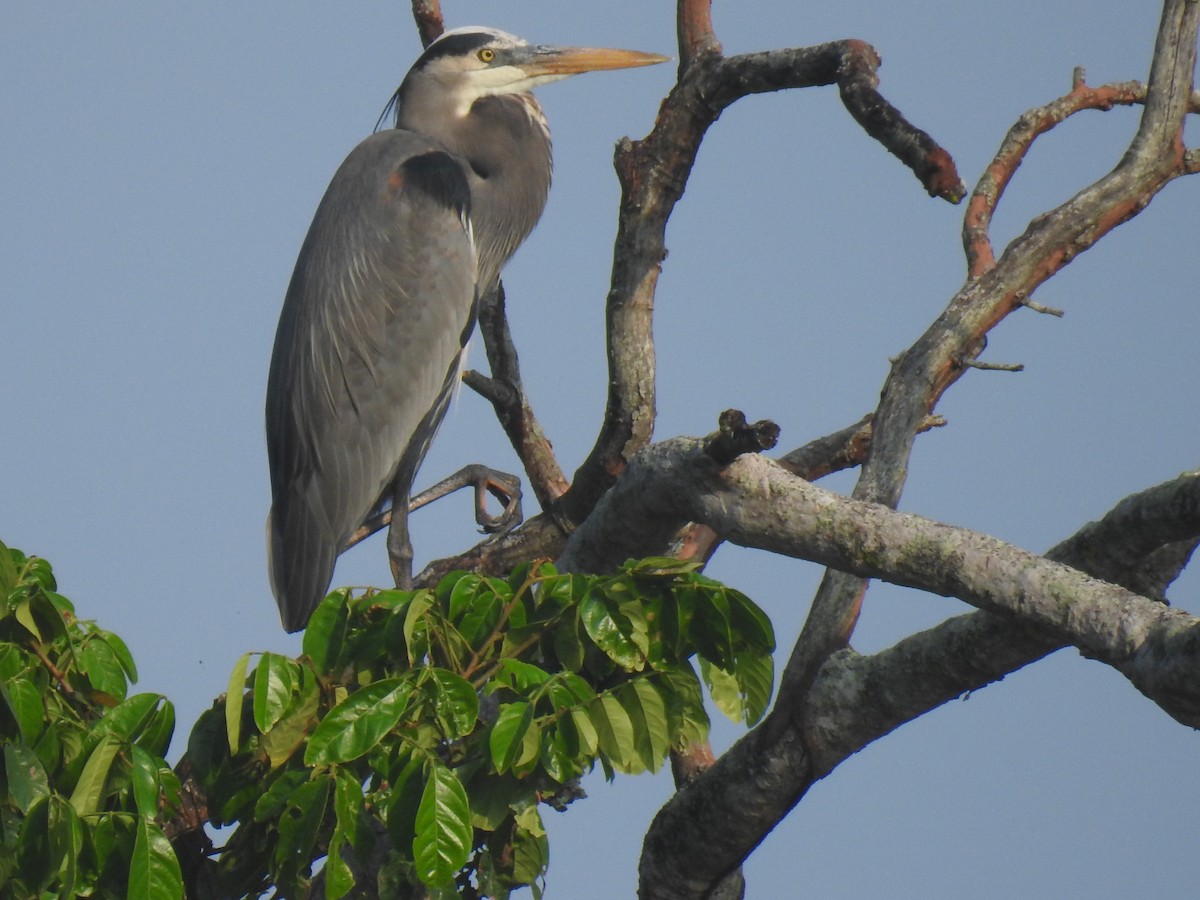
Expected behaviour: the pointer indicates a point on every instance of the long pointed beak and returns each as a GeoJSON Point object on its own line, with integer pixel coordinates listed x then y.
{"type": "Point", "coordinates": [572, 60]}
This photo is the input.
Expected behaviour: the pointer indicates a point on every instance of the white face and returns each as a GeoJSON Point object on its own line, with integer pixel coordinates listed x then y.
{"type": "Point", "coordinates": [466, 78]}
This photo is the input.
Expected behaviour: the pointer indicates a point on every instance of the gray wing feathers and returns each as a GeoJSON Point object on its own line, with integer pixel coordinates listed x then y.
{"type": "Point", "coordinates": [380, 303]}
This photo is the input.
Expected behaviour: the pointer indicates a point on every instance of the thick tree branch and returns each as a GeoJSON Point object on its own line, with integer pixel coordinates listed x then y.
{"type": "Point", "coordinates": [1035, 603]}
{"type": "Point", "coordinates": [753, 502]}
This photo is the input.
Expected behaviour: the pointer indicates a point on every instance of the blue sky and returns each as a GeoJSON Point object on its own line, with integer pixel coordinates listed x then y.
{"type": "Point", "coordinates": [161, 166]}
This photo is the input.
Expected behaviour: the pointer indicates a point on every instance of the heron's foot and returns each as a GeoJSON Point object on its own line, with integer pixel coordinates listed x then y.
{"type": "Point", "coordinates": [504, 487]}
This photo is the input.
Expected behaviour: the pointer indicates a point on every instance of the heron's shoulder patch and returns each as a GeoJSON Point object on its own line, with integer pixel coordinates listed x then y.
{"type": "Point", "coordinates": [439, 176]}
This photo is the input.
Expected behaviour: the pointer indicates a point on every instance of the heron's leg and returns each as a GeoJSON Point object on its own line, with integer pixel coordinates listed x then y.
{"type": "Point", "coordinates": [504, 487]}
{"type": "Point", "coordinates": [400, 551]}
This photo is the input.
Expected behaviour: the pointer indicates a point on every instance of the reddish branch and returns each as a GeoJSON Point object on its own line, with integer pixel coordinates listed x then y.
{"type": "Point", "coordinates": [428, 16]}
{"type": "Point", "coordinates": [1036, 122]}
{"type": "Point", "coordinates": [695, 31]}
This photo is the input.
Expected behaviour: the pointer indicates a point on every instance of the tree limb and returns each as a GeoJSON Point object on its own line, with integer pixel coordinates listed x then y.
{"type": "Point", "coordinates": [653, 173]}
{"type": "Point", "coordinates": [1035, 604]}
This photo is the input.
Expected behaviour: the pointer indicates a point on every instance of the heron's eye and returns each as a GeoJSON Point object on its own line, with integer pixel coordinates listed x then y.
{"type": "Point", "coordinates": [487, 54]}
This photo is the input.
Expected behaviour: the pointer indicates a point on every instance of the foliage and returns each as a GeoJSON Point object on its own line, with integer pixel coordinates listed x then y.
{"type": "Point", "coordinates": [83, 787]}
{"type": "Point", "coordinates": [443, 717]}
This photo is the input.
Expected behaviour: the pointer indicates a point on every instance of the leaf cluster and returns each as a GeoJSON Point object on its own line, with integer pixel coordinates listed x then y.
{"type": "Point", "coordinates": [443, 717]}
{"type": "Point", "coordinates": [84, 788]}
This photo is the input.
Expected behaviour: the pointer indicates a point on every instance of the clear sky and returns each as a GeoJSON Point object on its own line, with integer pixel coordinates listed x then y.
{"type": "Point", "coordinates": [161, 163]}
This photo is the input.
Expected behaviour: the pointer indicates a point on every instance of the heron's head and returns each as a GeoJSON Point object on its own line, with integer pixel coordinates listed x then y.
{"type": "Point", "coordinates": [465, 64]}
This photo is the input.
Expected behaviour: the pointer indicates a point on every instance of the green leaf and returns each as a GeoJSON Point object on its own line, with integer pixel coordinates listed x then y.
{"type": "Point", "coordinates": [145, 782]}
{"type": "Point", "coordinates": [359, 722]}
{"type": "Point", "coordinates": [560, 753]}
{"type": "Point", "coordinates": [714, 632]}
{"type": "Point", "coordinates": [568, 689]}
{"type": "Point", "coordinates": [274, 680]}
{"type": "Point", "coordinates": [89, 790]}
{"type": "Point", "coordinates": [443, 841]}
{"type": "Point", "coordinates": [58, 841]}
{"type": "Point", "coordinates": [325, 635]}
{"type": "Point", "coordinates": [102, 668]}
{"type": "Point", "coordinates": [271, 802]}
{"type": "Point", "coordinates": [24, 700]}
{"type": "Point", "coordinates": [582, 736]}
{"type": "Point", "coordinates": [8, 570]}
{"type": "Point", "coordinates": [648, 714]}
{"type": "Point", "coordinates": [660, 566]}
{"type": "Point", "coordinates": [756, 677]}
{"type": "Point", "coordinates": [455, 703]}
{"type": "Point", "coordinates": [131, 717]}
{"type": "Point", "coordinates": [121, 651]}
{"type": "Point", "coordinates": [615, 733]}
{"type": "Point", "coordinates": [339, 880]}
{"type": "Point", "coordinates": [299, 826]}
{"type": "Point", "coordinates": [155, 735]}
{"type": "Point", "coordinates": [521, 676]}
{"type": "Point", "coordinates": [687, 718]}
{"type": "Point", "coordinates": [609, 634]}
{"type": "Point", "coordinates": [27, 781]}
{"type": "Point", "coordinates": [568, 645]}
{"type": "Point", "coordinates": [417, 643]}
{"type": "Point", "coordinates": [235, 696]}
{"type": "Point", "coordinates": [724, 689]}
{"type": "Point", "coordinates": [506, 740]}
{"type": "Point", "coordinates": [289, 732]}
{"type": "Point", "coordinates": [531, 850]}
{"type": "Point", "coordinates": [24, 614]}
{"type": "Point", "coordinates": [751, 623]}
{"type": "Point", "coordinates": [154, 871]}
{"type": "Point", "coordinates": [404, 799]}
{"type": "Point", "coordinates": [347, 803]}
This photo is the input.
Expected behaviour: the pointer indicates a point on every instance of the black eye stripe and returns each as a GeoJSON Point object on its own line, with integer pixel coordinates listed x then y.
{"type": "Point", "coordinates": [454, 45]}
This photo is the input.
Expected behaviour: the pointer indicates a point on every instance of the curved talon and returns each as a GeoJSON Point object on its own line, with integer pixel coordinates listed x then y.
{"type": "Point", "coordinates": [505, 488]}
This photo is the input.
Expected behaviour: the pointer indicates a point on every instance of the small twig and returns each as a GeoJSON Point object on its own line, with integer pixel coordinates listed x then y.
{"type": "Point", "coordinates": [1039, 308]}
{"type": "Point", "coordinates": [992, 367]}
{"type": "Point", "coordinates": [489, 389]}
{"type": "Point", "coordinates": [977, 242]}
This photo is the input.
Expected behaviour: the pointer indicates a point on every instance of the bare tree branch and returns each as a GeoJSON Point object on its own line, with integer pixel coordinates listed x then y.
{"type": "Point", "coordinates": [653, 173]}
{"type": "Point", "coordinates": [922, 374]}
{"type": "Point", "coordinates": [855, 699]}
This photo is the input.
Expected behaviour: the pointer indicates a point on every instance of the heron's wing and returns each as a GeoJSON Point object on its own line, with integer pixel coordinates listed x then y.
{"type": "Point", "coordinates": [379, 307]}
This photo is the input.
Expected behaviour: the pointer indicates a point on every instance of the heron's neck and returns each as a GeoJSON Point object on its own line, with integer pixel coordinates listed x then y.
{"type": "Point", "coordinates": [506, 145]}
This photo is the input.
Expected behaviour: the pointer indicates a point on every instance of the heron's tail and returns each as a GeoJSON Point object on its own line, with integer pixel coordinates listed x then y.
{"type": "Point", "coordinates": [300, 569]}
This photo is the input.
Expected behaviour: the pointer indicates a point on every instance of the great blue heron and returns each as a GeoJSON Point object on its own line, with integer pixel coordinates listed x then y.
{"type": "Point", "coordinates": [414, 229]}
